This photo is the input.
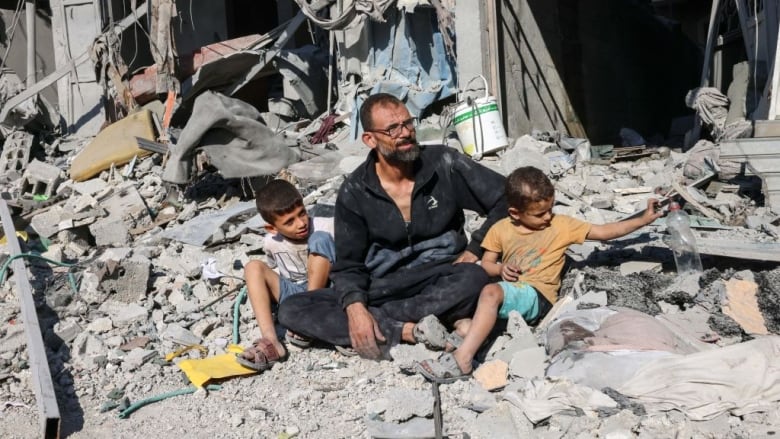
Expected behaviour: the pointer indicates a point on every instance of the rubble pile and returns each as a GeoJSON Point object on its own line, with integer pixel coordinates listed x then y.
{"type": "Point", "coordinates": [137, 273]}
{"type": "Point", "coordinates": [134, 241]}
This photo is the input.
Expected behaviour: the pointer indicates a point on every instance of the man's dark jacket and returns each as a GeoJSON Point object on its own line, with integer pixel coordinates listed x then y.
{"type": "Point", "coordinates": [375, 246]}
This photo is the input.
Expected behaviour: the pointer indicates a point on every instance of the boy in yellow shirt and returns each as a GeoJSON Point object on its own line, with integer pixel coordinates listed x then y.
{"type": "Point", "coordinates": [531, 242]}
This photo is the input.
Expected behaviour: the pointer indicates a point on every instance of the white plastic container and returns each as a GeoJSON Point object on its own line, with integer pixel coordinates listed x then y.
{"type": "Point", "coordinates": [478, 124]}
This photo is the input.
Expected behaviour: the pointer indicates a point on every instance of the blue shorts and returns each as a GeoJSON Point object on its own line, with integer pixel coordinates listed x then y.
{"type": "Point", "coordinates": [520, 297]}
{"type": "Point", "coordinates": [320, 243]}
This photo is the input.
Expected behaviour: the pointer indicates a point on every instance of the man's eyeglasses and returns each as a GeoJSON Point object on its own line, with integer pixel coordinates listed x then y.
{"type": "Point", "coordinates": [396, 129]}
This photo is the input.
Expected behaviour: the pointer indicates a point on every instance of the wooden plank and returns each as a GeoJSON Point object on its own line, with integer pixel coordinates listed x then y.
{"type": "Point", "coordinates": [712, 32]}
{"type": "Point", "coordinates": [755, 251]}
{"type": "Point", "coordinates": [706, 211]}
{"type": "Point", "coordinates": [39, 366]}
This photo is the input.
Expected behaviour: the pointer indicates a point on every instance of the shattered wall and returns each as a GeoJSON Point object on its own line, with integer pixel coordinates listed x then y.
{"type": "Point", "coordinates": [17, 54]}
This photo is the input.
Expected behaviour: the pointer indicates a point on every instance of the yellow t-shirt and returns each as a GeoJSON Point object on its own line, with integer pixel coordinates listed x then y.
{"type": "Point", "coordinates": [538, 254]}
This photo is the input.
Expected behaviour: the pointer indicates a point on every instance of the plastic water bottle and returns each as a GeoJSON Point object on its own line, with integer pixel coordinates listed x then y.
{"type": "Point", "coordinates": [682, 242]}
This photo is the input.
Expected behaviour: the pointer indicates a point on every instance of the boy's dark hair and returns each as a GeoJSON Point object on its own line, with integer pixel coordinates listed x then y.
{"type": "Point", "coordinates": [527, 185]}
{"type": "Point", "coordinates": [381, 99]}
{"type": "Point", "coordinates": [277, 198]}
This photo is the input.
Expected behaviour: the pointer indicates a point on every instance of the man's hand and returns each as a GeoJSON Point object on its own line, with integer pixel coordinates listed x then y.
{"type": "Point", "coordinates": [467, 257]}
{"type": "Point", "coordinates": [509, 272]}
{"type": "Point", "coordinates": [364, 331]}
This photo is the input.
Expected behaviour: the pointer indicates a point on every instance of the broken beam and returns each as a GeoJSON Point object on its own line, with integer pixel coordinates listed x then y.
{"type": "Point", "coordinates": [39, 365]}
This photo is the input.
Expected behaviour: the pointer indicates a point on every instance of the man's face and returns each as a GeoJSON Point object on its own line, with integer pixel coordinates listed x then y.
{"type": "Point", "coordinates": [393, 134]}
{"type": "Point", "coordinates": [293, 225]}
{"type": "Point", "coordinates": [537, 216]}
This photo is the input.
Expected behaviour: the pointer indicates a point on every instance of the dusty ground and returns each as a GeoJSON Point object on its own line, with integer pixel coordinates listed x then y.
{"type": "Point", "coordinates": [320, 393]}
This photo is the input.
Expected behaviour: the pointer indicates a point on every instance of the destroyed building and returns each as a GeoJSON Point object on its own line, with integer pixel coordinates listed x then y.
{"type": "Point", "coordinates": [134, 135]}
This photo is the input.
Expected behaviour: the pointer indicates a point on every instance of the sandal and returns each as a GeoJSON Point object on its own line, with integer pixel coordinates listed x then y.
{"type": "Point", "coordinates": [454, 340]}
{"type": "Point", "coordinates": [445, 370]}
{"type": "Point", "coordinates": [260, 356]}
{"type": "Point", "coordinates": [346, 351]}
{"type": "Point", "coordinates": [297, 340]}
{"type": "Point", "coordinates": [430, 332]}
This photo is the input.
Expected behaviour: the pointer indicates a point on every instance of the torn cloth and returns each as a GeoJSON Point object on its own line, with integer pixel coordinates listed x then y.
{"type": "Point", "coordinates": [231, 134]}
{"type": "Point", "coordinates": [739, 379]}
{"type": "Point", "coordinates": [544, 398]}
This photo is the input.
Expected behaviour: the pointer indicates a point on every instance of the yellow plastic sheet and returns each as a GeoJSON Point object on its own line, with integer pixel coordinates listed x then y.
{"type": "Point", "coordinates": [22, 235]}
{"type": "Point", "coordinates": [201, 371]}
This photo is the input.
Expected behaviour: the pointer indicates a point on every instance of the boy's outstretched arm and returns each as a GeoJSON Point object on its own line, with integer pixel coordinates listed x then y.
{"type": "Point", "coordinates": [604, 232]}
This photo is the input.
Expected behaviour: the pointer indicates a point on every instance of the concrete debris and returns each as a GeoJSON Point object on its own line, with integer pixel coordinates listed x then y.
{"type": "Point", "coordinates": [145, 249]}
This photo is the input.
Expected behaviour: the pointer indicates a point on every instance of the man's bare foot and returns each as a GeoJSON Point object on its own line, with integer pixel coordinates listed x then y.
{"type": "Point", "coordinates": [407, 333]}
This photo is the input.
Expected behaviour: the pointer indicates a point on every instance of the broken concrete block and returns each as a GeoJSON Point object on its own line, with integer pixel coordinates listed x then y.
{"type": "Point", "coordinates": [123, 314]}
{"type": "Point", "coordinates": [128, 281]}
{"type": "Point", "coordinates": [528, 363]}
{"type": "Point", "coordinates": [40, 178]}
{"type": "Point", "coordinates": [136, 358]}
{"type": "Point", "coordinates": [54, 252]}
{"type": "Point", "coordinates": [125, 202]}
{"type": "Point", "coordinates": [100, 325]}
{"type": "Point", "coordinates": [529, 152]}
{"type": "Point", "coordinates": [180, 335]}
{"type": "Point", "coordinates": [15, 153]}
{"type": "Point", "coordinates": [479, 399]}
{"type": "Point", "coordinates": [87, 351]}
{"type": "Point", "coordinates": [414, 428]}
{"type": "Point", "coordinates": [632, 267]}
{"type": "Point", "coordinates": [203, 327]}
{"type": "Point", "coordinates": [741, 304]}
{"type": "Point", "coordinates": [47, 222]}
{"type": "Point", "coordinates": [406, 404]}
{"type": "Point", "coordinates": [67, 330]}
{"type": "Point", "coordinates": [110, 232]}
{"type": "Point", "coordinates": [492, 375]}
{"type": "Point", "coordinates": [501, 422]}
{"type": "Point", "coordinates": [516, 326]}
{"type": "Point", "coordinates": [682, 290]}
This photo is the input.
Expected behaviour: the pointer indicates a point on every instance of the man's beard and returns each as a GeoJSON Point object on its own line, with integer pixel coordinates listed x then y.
{"type": "Point", "coordinates": [397, 156]}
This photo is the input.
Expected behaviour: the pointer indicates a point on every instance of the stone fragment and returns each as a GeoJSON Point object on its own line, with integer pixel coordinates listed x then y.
{"type": "Point", "coordinates": [501, 422]}
{"type": "Point", "coordinates": [124, 314]}
{"type": "Point", "coordinates": [110, 232]}
{"type": "Point", "coordinates": [528, 363]}
{"type": "Point", "coordinates": [47, 222]}
{"type": "Point", "coordinates": [413, 429]}
{"type": "Point", "coordinates": [203, 327]}
{"type": "Point", "coordinates": [136, 358]}
{"type": "Point", "coordinates": [67, 330]}
{"type": "Point", "coordinates": [632, 267]}
{"type": "Point", "coordinates": [479, 399]}
{"type": "Point", "coordinates": [88, 351]}
{"type": "Point", "coordinates": [128, 281]}
{"type": "Point", "coordinates": [408, 403]}
{"type": "Point", "coordinates": [492, 375]}
{"type": "Point", "coordinates": [100, 325]}
{"type": "Point", "coordinates": [180, 335]}
{"type": "Point", "coordinates": [137, 342]}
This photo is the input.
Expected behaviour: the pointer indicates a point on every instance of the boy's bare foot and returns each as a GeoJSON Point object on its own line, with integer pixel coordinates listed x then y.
{"type": "Point", "coordinates": [464, 362]}
{"type": "Point", "coordinates": [462, 326]}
